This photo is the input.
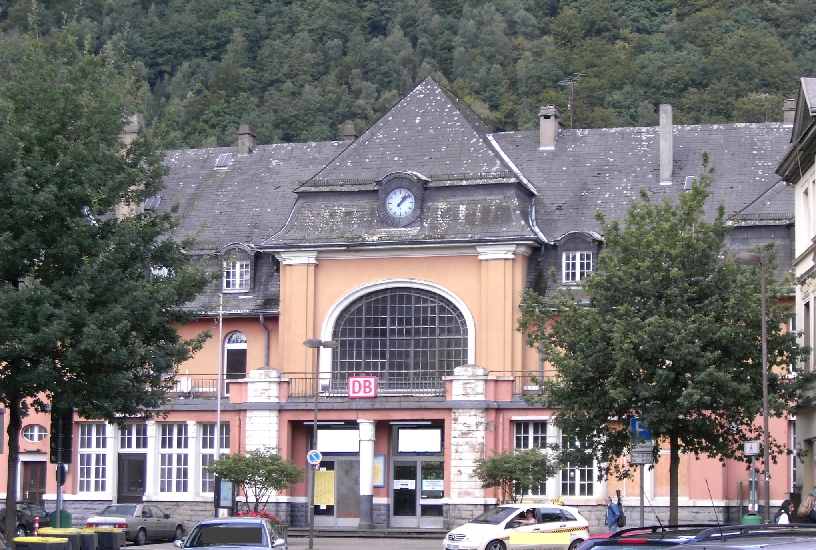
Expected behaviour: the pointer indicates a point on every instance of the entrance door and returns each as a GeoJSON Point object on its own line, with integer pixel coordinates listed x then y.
{"type": "Point", "coordinates": [337, 493]}
{"type": "Point", "coordinates": [33, 482]}
{"type": "Point", "coordinates": [418, 488]}
{"type": "Point", "coordinates": [131, 486]}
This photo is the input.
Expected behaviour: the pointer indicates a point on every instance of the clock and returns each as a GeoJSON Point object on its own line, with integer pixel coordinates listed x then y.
{"type": "Point", "coordinates": [400, 197]}
{"type": "Point", "coordinates": [399, 202]}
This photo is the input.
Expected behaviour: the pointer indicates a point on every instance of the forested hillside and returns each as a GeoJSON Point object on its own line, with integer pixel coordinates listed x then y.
{"type": "Point", "coordinates": [297, 70]}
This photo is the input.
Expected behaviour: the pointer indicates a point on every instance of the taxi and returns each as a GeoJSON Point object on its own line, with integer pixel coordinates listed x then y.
{"type": "Point", "coordinates": [513, 527]}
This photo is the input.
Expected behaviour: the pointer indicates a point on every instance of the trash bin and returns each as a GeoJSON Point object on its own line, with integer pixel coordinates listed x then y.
{"type": "Point", "coordinates": [73, 535]}
{"type": "Point", "coordinates": [42, 543]}
{"type": "Point", "coordinates": [751, 519]}
{"type": "Point", "coordinates": [110, 539]}
{"type": "Point", "coordinates": [89, 539]}
{"type": "Point", "coordinates": [62, 520]}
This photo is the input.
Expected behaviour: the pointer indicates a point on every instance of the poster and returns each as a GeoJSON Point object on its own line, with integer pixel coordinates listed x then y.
{"type": "Point", "coordinates": [379, 470]}
{"type": "Point", "coordinates": [324, 488]}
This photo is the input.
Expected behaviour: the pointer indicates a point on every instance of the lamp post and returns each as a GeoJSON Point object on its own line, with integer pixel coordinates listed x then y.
{"type": "Point", "coordinates": [754, 259]}
{"type": "Point", "coordinates": [315, 343]}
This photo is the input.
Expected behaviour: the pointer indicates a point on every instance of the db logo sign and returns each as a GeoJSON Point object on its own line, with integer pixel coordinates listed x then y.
{"type": "Point", "coordinates": [362, 386]}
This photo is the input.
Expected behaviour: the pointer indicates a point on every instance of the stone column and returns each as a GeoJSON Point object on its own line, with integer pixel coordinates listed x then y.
{"type": "Point", "coordinates": [366, 473]}
{"type": "Point", "coordinates": [262, 425]}
{"type": "Point", "coordinates": [467, 432]}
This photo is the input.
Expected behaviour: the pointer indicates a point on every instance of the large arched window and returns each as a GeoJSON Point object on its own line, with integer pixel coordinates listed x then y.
{"type": "Point", "coordinates": [408, 337]}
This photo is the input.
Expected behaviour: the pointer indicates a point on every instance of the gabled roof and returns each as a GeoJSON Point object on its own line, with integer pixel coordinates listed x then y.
{"type": "Point", "coordinates": [799, 157]}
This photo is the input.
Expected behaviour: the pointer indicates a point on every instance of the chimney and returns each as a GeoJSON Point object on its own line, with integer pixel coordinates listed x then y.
{"type": "Point", "coordinates": [350, 132]}
{"type": "Point", "coordinates": [131, 130]}
{"type": "Point", "coordinates": [666, 144]}
{"type": "Point", "coordinates": [246, 138]}
{"type": "Point", "coordinates": [550, 124]}
{"type": "Point", "coordinates": [789, 111]}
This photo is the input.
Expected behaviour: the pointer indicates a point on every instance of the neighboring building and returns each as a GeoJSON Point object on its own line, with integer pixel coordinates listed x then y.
{"type": "Point", "coordinates": [411, 247]}
{"type": "Point", "coordinates": [797, 169]}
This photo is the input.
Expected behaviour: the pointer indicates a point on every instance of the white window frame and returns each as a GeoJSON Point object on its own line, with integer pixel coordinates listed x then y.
{"type": "Point", "coordinates": [208, 452]}
{"type": "Point", "coordinates": [92, 458]}
{"type": "Point", "coordinates": [174, 457]}
{"type": "Point", "coordinates": [530, 434]}
{"type": "Point", "coordinates": [34, 433]}
{"type": "Point", "coordinates": [583, 477]}
{"type": "Point", "coordinates": [237, 276]}
{"type": "Point", "coordinates": [575, 266]}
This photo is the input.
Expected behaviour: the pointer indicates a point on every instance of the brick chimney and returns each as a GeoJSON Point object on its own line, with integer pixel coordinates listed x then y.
{"type": "Point", "coordinates": [666, 144]}
{"type": "Point", "coordinates": [550, 124]}
{"type": "Point", "coordinates": [246, 138]}
{"type": "Point", "coordinates": [789, 111]}
{"type": "Point", "coordinates": [350, 132]}
{"type": "Point", "coordinates": [131, 130]}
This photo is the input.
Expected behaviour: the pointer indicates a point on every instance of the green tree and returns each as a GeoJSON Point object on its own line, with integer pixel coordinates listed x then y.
{"type": "Point", "coordinates": [671, 336]}
{"type": "Point", "coordinates": [257, 473]}
{"type": "Point", "coordinates": [89, 298]}
{"type": "Point", "coordinates": [516, 472]}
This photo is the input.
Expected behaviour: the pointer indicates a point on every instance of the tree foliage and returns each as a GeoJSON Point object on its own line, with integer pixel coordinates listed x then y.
{"type": "Point", "coordinates": [516, 472]}
{"type": "Point", "coordinates": [671, 336]}
{"type": "Point", "coordinates": [86, 321]}
{"type": "Point", "coordinates": [298, 70]}
{"type": "Point", "coordinates": [258, 473]}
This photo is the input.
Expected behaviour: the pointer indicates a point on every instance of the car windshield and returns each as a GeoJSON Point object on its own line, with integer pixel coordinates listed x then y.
{"type": "Point", "coordinates": [495, 516]}
{"type": "Point", "coordinates": [233, 534]}
{"type": "Point", "coordinates": [118, 510]}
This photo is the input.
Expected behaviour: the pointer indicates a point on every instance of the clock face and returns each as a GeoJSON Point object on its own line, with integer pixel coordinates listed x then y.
{"type": "Point", "coordinates": [399, 202]}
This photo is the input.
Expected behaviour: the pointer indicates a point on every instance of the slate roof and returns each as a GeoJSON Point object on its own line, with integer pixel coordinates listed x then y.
{"type": "Point", "coordinates": [478, 186]}
{"type": "Point", "coordinates": [604, 169]}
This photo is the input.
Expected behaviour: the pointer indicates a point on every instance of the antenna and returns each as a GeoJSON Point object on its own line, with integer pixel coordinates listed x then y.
{"type": "Point", "coordinates": [716, 515]}
{"type": "Point", "coordinates": [571, 81]}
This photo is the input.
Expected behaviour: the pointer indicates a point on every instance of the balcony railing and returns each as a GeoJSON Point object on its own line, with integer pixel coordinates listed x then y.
{"type": "Point", "coordinates": [528, 383]}
{"type": "Point", "coordinates": [194, 385]}
{"type": "Point", "coordinates": [392, 384]}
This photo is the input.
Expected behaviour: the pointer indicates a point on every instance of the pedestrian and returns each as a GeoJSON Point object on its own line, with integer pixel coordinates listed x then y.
{"type": "Point", "coordinates": [806, 512]}
{"type": "Point", "coordinates": [784, 513]}
{"type": "Point", "coordinates": [612, 515]}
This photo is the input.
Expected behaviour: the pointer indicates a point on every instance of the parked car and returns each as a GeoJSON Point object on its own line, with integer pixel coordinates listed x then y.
{"type": "Point", "coordinates": [247, 532]}
{"type": "Point", "coordinates": [661, 535]}
{"type": "Point", "coordinates": [726, 537]}
{"type": "Point", "coordinates": [502, 528]}
{"type": "Point", "coordinates": [141, 522]}
{"type": "Point", "coordinates": [27, 512]}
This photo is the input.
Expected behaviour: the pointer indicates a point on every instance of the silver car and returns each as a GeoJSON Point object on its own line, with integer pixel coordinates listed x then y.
{"type": "Point", "coordinates": [140, 522]}
{"type": "Point", "coordinates": [248, 533]}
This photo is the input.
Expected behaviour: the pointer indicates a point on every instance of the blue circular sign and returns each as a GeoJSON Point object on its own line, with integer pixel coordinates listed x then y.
{"type": "Point", "coordinates": [314, 457]}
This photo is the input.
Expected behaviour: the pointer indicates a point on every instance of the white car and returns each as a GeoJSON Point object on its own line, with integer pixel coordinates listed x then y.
{"type": "Point", "coordinates": [503, 528]}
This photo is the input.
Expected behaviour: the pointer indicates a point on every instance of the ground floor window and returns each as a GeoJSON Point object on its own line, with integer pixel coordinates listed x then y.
{"type": "Point", "coordinates": [92, 458]}
{"type": "Point", "coordinates": [174, 459]}
{"type": "Point", "coordinates": [208, 452]}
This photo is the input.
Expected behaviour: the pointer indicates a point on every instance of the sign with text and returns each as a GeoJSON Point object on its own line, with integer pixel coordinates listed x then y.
{"type": "Point", "coordinates": [362, 386]}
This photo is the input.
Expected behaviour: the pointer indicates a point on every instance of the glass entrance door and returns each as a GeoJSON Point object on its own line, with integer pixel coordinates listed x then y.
{"type": "Point", "coordinates": [417, 491]}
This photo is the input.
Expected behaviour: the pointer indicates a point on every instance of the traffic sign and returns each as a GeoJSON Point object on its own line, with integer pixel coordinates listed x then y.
{"type": "Point", "coordinates": [641, 453]}
{"type": "Point", "coordinates": [638, 431]}
{"type": "Point", "coordinates": [314, 457]}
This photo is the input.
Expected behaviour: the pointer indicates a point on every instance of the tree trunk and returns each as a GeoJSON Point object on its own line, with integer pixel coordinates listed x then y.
{"type": "Point", "coordinates": [13, 431]}
{"type": "Point", "coordinates": [674, 469]}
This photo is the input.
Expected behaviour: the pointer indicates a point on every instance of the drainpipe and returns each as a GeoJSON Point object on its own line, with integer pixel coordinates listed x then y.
{"type": "Point", "coordinates": [266, 346]}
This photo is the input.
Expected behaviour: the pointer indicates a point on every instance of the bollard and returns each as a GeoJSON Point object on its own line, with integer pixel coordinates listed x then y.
{"type": "Point", "coordinates": [36, 526]}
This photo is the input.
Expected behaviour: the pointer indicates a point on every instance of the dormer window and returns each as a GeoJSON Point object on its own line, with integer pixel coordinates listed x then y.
{"type": "Point", "coordinates": [236, 275]}
{"type": "Point", "coordinates": [575, 266]}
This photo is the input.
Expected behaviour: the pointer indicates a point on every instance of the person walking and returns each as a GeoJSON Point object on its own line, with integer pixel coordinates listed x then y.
{"type": "Point", "coordinates": [784, 513]}
{"type": "Point", "coordinates": [612, 515]}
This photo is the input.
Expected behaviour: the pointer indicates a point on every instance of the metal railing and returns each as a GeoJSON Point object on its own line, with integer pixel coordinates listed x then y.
{"type": "Point", "coordinates": [528, 383]}
{"type": "Point", "coordinates": [430, 383]}
{"type": "Point", "coordinates": [194, 385]}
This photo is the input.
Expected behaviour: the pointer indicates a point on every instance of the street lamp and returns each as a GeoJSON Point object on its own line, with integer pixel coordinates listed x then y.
{"type": "Point", "coordinates": [749, 258]}
{"type": "Point", "coordinates": [315, 343]}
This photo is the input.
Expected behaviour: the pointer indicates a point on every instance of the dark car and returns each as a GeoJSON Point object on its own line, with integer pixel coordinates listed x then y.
{"type": "Point", "coordinates": [27, 514]}
{"type": "Point", "coordinates": [667, 535]}
{"type": "Point", "coordinates": [250, 533]}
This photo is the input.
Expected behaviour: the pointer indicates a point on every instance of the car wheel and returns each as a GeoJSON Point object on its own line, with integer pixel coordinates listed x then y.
{"type": "Point", "coordinates": [179, 534]}
{"type": "Point", "coordinates": [140, 538]}
{"type": "Point", "coordinates": [20, 531]}
{"type": "Point", "coordinates": [495, 545]}
{"type": "Point", "coordinates": [575, 544]}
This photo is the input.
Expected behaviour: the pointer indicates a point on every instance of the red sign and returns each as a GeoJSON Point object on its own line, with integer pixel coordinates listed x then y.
{"type": "Point", "coordinates": [362, 386]}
